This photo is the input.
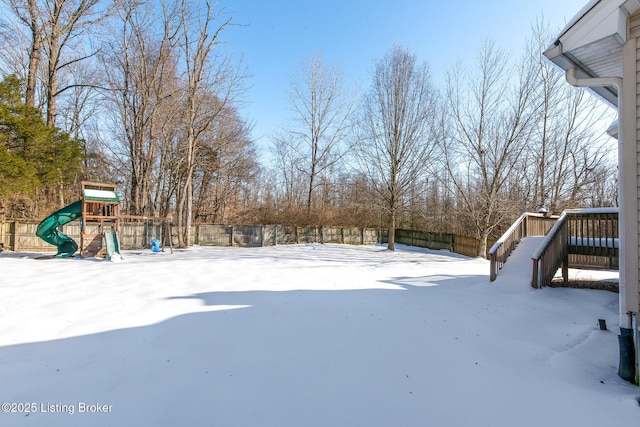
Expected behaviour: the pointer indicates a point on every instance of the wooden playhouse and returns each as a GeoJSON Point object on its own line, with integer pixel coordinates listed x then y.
{"type": "Point", "coordinates": [100, 222]}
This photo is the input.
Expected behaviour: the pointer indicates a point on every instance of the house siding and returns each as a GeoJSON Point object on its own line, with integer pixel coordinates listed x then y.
{"type": "Point", "coordinates": [632, 72]}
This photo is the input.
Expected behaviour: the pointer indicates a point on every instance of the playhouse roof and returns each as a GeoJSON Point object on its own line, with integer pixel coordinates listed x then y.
{"type": "Point", "coordinates": [100, 195]}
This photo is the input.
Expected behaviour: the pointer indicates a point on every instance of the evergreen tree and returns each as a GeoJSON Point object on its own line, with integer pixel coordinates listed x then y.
{"type": "Point", "coordinates": [35, 159]}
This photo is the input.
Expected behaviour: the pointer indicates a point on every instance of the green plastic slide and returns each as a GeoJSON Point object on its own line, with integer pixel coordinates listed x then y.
{"type": "Point", "coordinates": [113, 246]}
{"type": "Point", "coordinates": [48, 229]}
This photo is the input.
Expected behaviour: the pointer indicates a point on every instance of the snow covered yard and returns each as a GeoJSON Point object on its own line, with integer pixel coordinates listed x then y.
{"type": "Point", "coordinates": [305, 335]}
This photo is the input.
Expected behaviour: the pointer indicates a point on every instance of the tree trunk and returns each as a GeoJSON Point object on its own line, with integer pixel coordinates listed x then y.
{"type": "Point", "coordinates": [482, 243]}
{"type": "Point", "coordinates": [52, 68]}
{"type": "Point", "coordinates": [188, 212]}
{"type": "Point", "coordinates": [34, 55]}
{"type": "Point", "coordinates": [391, 245]}
{"type": "Point", "coordinates": [32, 78]}
{"type": "Point", "coordinates": [312, 179]}
{"type": "Point", "coordinates": [185, 203]}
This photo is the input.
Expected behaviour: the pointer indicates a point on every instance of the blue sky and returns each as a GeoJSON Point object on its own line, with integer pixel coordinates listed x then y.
{"type": "Point", "coordinates": [276, 37]}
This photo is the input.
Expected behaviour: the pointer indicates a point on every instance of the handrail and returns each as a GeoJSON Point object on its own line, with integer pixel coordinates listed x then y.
{"type": "Point", "coordinates": [551, 253]}
{"type": "Point", "coordinates": [577, 231]}
{"type": "Point", "coordinates": [524, 226]}
{"type": "Point", "coordinates": [501, 250]}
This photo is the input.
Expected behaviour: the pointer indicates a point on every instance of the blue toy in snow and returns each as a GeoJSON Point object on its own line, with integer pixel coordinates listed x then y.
{"type": "Point", "coordinates": [155, 245]}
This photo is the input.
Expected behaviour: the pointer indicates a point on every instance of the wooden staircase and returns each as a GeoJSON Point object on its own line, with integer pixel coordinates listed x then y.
{"type": "Point", "coordinates": [580, 238]}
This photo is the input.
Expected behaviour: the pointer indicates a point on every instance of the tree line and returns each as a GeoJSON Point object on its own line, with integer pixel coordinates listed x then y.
{"type": "Point", "coordinates": [143, 94]}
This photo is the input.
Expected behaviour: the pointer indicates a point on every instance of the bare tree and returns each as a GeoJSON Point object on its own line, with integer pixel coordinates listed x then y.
{"type": "Point", "coordinates": [55, 28]}
{"type": "Point", "coordinates": [30, 13]}
{"type": "Point", "coordinates": [395, 141]}
{"type": "Point", "coordinates": [317, 135]}
{"type": "Point", "coordinates": [14, 58]}
{"type": "Point", "coordinates": [66, 19]}
{"type": "Point", "coordinates": [290, 181]}
{"type": "Point", "coordinates": [226, 165]}
{"type": "Point", "coordinates": [483, 143]}
{"type": "Point", "coordinates": [142, 89]}
{"type": "Point", "coordinates": [212, 83]}
{"type": "Point", "coordinates": [566, 152]}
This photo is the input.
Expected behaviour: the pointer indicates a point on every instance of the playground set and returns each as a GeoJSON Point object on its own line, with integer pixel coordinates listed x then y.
{"type": "Point", "coordinates": [99, 212]}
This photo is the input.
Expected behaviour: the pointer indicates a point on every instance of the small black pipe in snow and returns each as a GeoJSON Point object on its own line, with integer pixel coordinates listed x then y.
{"type": "Point", "coordinates": [603, 324]}
{"type": "Point", "coordinates": [627, 367]}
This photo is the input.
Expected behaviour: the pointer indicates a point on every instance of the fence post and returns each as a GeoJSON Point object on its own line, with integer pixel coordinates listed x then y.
{"type": "Point", "coordinates": [15, 236]}
{"type": "Point", "coordinates": [231, 237]}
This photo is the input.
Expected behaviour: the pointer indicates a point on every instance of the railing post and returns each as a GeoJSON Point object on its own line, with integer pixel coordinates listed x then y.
{"type": "Point", "coordinates": [493, 271]}
{"type": "Point", "coordinates": [564, 235]}
{"type": "Point", "coordinates": [534, 276]}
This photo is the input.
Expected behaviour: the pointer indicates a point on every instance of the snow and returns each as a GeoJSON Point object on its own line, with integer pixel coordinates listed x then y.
{"type": "Point", "coordinates": [598, 242]}
{"type": "Point", "coordinates": [100, 194]}
{"type": "Point", "coordinates": [600, 210]}
{"type": "Point", "coordinates": [304, 335]}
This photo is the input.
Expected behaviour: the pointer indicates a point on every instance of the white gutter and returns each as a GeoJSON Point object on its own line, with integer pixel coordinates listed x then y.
{"type": "Point", "coordinates": [595, 81]}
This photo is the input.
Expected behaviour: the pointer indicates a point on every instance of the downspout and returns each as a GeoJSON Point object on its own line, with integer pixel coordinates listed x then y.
{"type": "Point", "coordinates": [628, 368]}
{"type": "Point", "coordinates": [617, 82]}
{"type": "Point", "coordinates": [595, 81]}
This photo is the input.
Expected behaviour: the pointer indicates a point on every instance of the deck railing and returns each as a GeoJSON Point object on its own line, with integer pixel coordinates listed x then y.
{"type": "Point", "coordinates": [551, 254]}
{"type": "Point", "coordinates": [528, 224]}
{"type": "Point", "coordinates": [592, 232]}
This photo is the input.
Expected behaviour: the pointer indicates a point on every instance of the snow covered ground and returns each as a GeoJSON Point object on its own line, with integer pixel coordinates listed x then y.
{"type": "Point", "coordinates": [305, 335]}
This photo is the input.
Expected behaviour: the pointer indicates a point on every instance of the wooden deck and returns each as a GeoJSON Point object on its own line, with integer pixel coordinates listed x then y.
{"type": "Point", "coordinates": [579, 238]}
{"type": "Point", "coordinates": [528, 224]}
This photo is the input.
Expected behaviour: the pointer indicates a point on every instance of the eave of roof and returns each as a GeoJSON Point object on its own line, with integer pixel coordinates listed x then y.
{"type": "Point", "coordinates": [592, 43]}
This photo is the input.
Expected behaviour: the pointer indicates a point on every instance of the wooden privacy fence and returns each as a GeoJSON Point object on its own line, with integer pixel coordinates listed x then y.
{"type": "Point", "coordinates": [467, 245]}
{"type": "Point", "coordinates": [463, 245]}
{"type": "Point", "coordinates": [271, 235]}
{"type": "Point", "coordinates": [18, 236]}
{"type": "Point", "coordinates": [4, 234]}
{"type": "Point", "coordinates": [425, 239]}
{"type": "Point", "coordinates": [21, 237]}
